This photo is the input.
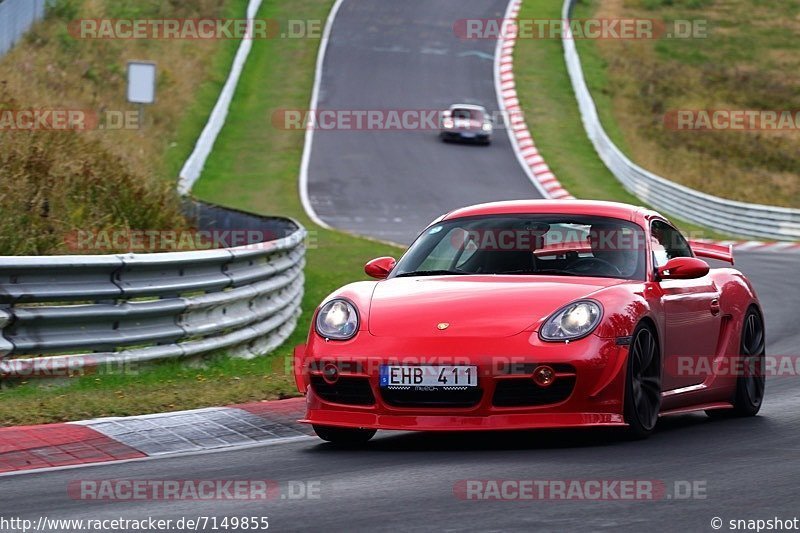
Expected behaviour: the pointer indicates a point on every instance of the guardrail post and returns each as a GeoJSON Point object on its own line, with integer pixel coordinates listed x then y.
{"type": "Point", "coordinates": [5, 346]}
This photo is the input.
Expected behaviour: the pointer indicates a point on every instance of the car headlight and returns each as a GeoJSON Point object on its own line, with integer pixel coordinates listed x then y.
{"type": "Point", "coordinates": [448, 123]}
{"type": "Point", "coordinates": [572, 321]}
{"type": "Point", "coordinates": [487, 127]}
{"type": "Point", "coordinates": [338, 319]}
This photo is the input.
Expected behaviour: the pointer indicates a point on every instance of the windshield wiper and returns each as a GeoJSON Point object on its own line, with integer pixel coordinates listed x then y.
{"type": "Point", "coordinates": [433, 273]}
{"type": "Point", "coordinates": [553, 272]}
{"type": "Point", "coordinates": [557, 272]}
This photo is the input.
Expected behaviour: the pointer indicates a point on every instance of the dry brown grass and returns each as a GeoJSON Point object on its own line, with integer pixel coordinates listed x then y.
{"type": "Point", "coordinates": [748, 61]}
{"type": "Point", "coordinates": [54, 182]}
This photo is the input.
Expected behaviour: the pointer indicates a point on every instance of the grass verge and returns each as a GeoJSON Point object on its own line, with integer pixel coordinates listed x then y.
{"type": "Point", "coordinates": [109, 176]}
{"type": "Point", "coordinates": [253, 167]}
{"type": "Point", "coordinates": [547, 98]}
{"type": "Point", "coordinates": [742, 57]}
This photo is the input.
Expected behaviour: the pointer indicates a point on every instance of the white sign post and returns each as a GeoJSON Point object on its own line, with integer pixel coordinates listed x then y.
{"type": "Point", "coordinates": [141, 85]}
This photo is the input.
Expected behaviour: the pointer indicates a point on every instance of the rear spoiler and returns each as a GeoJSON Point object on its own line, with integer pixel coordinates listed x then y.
{"type": "Point", "coordinates": [723, 252]}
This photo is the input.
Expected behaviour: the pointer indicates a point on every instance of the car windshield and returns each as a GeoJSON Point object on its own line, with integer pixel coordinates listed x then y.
{"type": "Point", "coordinates": [552, 244]}
{"type": "Point", "coordinates": [467, 114]}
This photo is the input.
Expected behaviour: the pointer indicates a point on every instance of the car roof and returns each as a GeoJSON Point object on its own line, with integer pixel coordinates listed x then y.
{"type": "Point", "coordinates": [578, 207]}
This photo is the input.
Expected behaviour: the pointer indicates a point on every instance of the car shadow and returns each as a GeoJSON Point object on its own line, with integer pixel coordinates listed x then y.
{"type": "Point", "coordinates": [683, 428]}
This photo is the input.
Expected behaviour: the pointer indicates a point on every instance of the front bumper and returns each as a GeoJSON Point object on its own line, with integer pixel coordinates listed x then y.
{"type": "Point", "coordinates": [466, 136]}
{"type": "Point", "coordinates": [590, 372]}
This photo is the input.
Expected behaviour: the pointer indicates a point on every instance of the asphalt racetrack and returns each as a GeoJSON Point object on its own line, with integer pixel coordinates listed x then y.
{"type": "Point", "coordinates": [746, 468]}
{"type": "Point", "coordinates": [397, 56]}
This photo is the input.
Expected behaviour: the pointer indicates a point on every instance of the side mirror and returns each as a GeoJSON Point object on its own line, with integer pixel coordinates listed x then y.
{"type": "Point", "coordinates": [380, 268]}
{"type": "Point", "coordinates": [683, 268]}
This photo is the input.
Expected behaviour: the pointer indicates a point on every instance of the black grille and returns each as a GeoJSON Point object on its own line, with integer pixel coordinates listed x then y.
{"type": "Point", "coordinates": [521, 392]}
{"type": "Point", "coordinates": [347, 390]}
{"type": "Point", "coordinates": [409, 397]}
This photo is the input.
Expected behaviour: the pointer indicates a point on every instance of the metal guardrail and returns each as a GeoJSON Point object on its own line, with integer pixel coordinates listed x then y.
{"type": "Point", "coordinates": [64, 313]}
{"type": "Point", "coordinates": [139, 307]}
{"type": "Point", "coordinates": [738, 218]}
{"type": "Point", "coordinates": [16, 17]}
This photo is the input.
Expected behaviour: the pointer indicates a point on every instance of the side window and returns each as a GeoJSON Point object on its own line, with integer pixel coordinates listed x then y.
{"type": "Point", "coordinates": [667, 243]}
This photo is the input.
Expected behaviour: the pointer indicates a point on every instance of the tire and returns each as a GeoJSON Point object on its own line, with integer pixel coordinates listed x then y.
{"type": "Point", "coordinates": [749, 393]}
{"type": "Point", "coordinates": [642, 383]}
{"type": "Point", "coordinates": [344, 436]}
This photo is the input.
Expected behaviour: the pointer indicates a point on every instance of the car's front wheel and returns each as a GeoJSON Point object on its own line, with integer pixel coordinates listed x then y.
{"type": "Point", "coordinates": [749, 392]}
{"type": "Point", "coordinates": [344, 436]}
{"type": "Point", "coordinates": [643, 383]}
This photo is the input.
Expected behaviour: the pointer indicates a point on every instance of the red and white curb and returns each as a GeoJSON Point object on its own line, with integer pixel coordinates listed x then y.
{"type": "Point", "coordinates": [28, 448]}
{"type": "Point", "coordinates": [521, 140]}
{"type": "Point", "coordinates": [759, 246]}
{"type": "Point", "coordinates": [528, 155]}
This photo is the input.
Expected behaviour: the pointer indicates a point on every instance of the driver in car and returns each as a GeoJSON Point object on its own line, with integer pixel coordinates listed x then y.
{"type": "Point", "coordinates": [615, 248]}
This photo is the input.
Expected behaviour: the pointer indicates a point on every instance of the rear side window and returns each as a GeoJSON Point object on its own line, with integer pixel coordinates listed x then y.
{"type": "Point", "coordinates": [667, 243]}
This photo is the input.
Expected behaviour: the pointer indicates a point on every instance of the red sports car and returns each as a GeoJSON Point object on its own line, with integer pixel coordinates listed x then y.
{"type": "Point", "coordinates": [535, 314]}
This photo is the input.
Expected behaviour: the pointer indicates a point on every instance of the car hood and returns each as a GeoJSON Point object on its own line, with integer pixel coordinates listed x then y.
{"type": "Point", "coordinates": [472, 306]}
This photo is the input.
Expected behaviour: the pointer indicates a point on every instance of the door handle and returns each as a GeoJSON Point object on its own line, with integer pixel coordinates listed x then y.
{"type": "Point", "coordinates": [715, 306]}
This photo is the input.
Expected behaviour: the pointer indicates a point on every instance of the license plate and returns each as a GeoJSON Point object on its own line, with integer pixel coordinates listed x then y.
{"type": "Point", "coordinates": [429, 376]}
{"type": "Point", "coordinates": [468, 135]}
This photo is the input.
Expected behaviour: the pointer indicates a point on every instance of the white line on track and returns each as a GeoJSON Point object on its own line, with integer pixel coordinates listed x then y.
{"type": "Point", "coordinates": [309, 139]}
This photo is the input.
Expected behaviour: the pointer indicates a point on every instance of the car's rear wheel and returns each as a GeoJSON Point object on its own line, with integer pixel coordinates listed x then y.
{"type": "Point", "coordinates": [750, 386]}
{"type": "Point", "coordinates": [344, 436]}
{"type": "Point", "coordinates": [643, 383]}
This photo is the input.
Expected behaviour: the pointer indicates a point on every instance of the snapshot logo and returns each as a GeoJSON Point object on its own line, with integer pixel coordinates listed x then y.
{"type": "Point", "coordinates": [124, 490]}
{"type": "Point", "coordinates": [578, 489]}
{"type": "Point", "coordinates": [44, 119]}
{"type": "Point", "coordinates": [704, 366]}
{"type": "Point", "coordinates": [732, 120]}
{"type": "Point", "coordinates": [775, 523]}
{"type": "Point", "coordinates": [195, 29]}
{"type": "Point", "coordinates": [579, 29]}
{"type": "Point", "coordinates": [372, 119]}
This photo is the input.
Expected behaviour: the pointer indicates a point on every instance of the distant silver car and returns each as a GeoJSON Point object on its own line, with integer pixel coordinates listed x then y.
{"type": "Point", "coordinates": [466, 123]}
